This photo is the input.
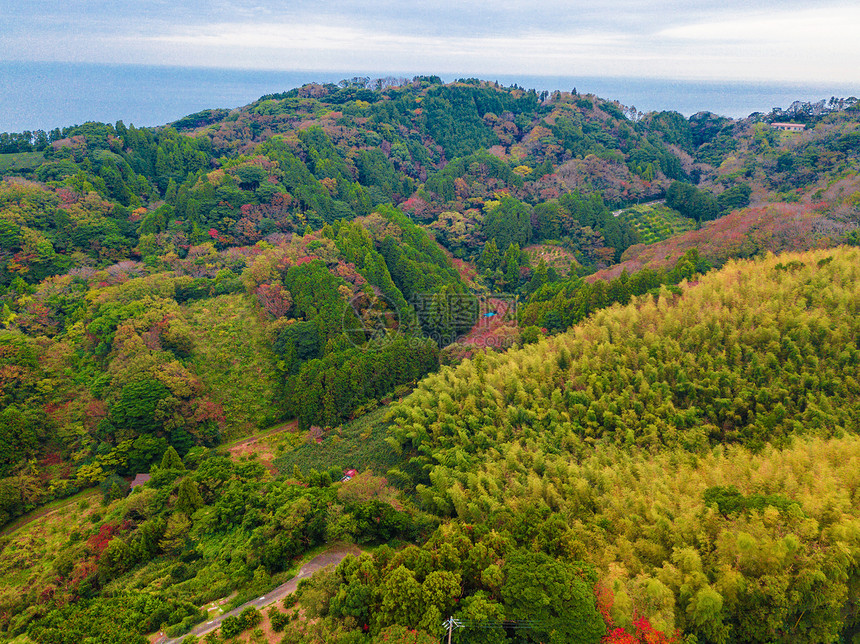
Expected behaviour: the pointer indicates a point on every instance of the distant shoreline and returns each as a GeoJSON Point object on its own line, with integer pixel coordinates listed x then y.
{"type": "Point", "coordinates": [40, 95]}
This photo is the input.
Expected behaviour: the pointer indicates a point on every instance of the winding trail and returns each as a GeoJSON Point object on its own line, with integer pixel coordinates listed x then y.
{"type": "Point", "coordinates": [266, 433]}
{"type": "Point", "coordinates": [330, 557]}
{"type": "Point", "coordinates": [46, 510]}
{"type": "Point", "coordinates": [55, 506]}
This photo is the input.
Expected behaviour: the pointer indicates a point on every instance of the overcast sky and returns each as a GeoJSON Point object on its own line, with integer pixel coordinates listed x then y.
{"type": "Point", "coordinates": [768, 40]}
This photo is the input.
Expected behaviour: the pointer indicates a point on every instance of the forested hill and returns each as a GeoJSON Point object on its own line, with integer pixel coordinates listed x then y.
{"type": "Point", "coordinates": [130, 257]}
{"type": "Point", "coordinates": [684, 466]}
{"type": "Point", "coordinates": [699, 450]}
{"type": "Point", "coordinates": [303, 261]}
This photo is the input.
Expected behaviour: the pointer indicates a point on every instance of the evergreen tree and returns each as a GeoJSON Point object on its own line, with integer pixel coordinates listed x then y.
{"type": "Point", "coordinates": [490, 257]}
{"type": "Point", "coordinates": [171, 460]}
{"type": "Point", "coordinates": [188, 498]}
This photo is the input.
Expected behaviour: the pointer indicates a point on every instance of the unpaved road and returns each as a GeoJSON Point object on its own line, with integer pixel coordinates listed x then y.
{"type": "Point", "coordinates": [38, 513]}
{"type": "Point", "coordinates": [290, 426]}
{"type": "Point", "coordinates": [328, 558]}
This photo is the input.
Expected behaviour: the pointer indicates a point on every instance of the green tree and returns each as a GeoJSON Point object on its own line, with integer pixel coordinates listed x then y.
{"type": "Point", "coordinates": [508, 223]}
{"type": "Point", "coordinates": [188, 498]}
{"type": "Point", "coordinates": [705, 612]}
{"type": "Point", "coordinates": [401, 599]}
{"type": "Point", "coordinates": [490, 257]}
{"type": "Point", "coordinates": [485, 612]}
{"type": "Point", "coordinates": [441, 589]}
{"type": "Point", "coordinates": [402, 635]}
{"type": "Point", "coordinates": [556, 595]}
{"type": "Point", "coordinates": [548, 220]}
{"type": "Point", "coordinates": [171, 460]}
{"type": "Point", "coordinates": [137, 404]}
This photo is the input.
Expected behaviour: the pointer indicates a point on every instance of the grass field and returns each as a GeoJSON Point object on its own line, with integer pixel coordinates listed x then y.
{"type": "Point", "coordinates": [358, 444]}
{"type": "Point", "coordinates": [233, 357]}
{"type": "Point", "coordinates": [27, 551]}
{"type": "Point", "coordinates": [20, 161]}
{"type": "Point", "coordinates": [90, 495]}
{"type": "Point", "coordinates": [656, 222]}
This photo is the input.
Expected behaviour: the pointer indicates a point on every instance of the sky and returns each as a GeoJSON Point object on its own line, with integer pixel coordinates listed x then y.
{"type": "Point", "coordinates": [748, 40]}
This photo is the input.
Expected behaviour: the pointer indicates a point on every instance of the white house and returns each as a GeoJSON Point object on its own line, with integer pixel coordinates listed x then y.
{"type": "Point", "coordinates": [788, 127]}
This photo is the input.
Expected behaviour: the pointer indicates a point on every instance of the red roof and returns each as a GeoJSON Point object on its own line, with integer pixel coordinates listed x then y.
{"type": "Point", "coordinates": [350, 473]}
{"type": "Point", "coordinates": [140, 479]}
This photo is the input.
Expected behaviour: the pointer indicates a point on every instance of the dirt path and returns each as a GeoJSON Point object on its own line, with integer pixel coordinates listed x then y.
{"type": "Point", "coordinates": [261, 446]}
{"type": "Point", "coordinates": [293, 424]}
{"type": "Point", "coordinates": [44, 511]}
{"type": "Point", "coordinates": [615, 213]}
{"type": "Point", "coordinates": [330, 557]}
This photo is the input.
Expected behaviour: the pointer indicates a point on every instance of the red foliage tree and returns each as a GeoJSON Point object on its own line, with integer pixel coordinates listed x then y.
{"type": "Point", "coordinates": [604, 598]}
{"type": "Point", "coordinates": [645, 634]}
{"type": "Point", "coordinates": [274, 299]}
{"type": "Point", "coordinates": [99, 541]}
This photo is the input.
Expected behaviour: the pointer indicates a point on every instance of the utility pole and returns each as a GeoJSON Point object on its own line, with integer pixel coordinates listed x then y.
{"type": "Point", "coordinates": [450, 628]}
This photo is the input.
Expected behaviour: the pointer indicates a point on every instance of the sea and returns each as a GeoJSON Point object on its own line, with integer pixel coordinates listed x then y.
{"type": "Point", "coordinates": [45, 95]}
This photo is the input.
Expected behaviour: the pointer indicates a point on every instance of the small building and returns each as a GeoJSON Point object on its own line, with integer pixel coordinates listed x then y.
{"type": "Point", "coordinates": [140, 479]}
{"type": "Point", "coordinates": [788, 127]}
{"type": "Point", "coordinates": [348, 475]}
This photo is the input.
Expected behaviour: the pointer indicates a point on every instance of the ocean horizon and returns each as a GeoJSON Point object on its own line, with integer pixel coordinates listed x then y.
{"type": "Point", "coordinates": [40, 95]}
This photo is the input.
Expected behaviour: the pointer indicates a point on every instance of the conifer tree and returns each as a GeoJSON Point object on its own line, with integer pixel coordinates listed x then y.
{"type": "Point", "coordinates": [171, 460]}
{"type": "Point", "coordinates": [188, 499]}
{"type": "Point", "coordinates": [490, 257]}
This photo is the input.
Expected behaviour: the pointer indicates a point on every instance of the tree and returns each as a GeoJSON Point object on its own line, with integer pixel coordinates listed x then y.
{"type": "Point", "coordinates": [188, 498]}
{"type": "Point", "coordinates": [547, 221]}
{"type": "Point", "coordinates": [401, 599]}
{"type": "Point", "coordinates": [175, 534]}
{"type": "Point", "coordinates": [508, 222]}
{"type": "Point", "coordinates": [171, 460]}
{"type": "Point", "coordinates": [441, 589]}
{"type": "Point", "coordinates": [539, 277]}
{"type": "Point", "coordinates": [486, 612]}
{"type": "Point", "coordinates": [490, 257]}
{"type": "Point", "coordinates": [705, 612]}
{"type": "Point", "coordinates": [250, 617]}
{"type": "Point", "coordinates": [735, 197]}
{"type": "Point", "coordinates": [555, 594]}
{"type": "Point", "coordinates": [402, 635]}
{"type": "Point", "coordinates": [137, 404]}
{"type": "Point", "coordinates": [644, 634]}
{"type": "Point", "coordinates": [231, 627]}
{"type": "Point", "coordinates": [512, 266]}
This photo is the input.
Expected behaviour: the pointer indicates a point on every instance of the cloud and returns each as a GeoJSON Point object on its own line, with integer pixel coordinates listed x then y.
{"type": "Point", "coordinates": [317, 44]}
{"type": "Point", "coordinates": [325, 37]}
{"type": "Point", "coordinates": [821, 26]}
{"type": "Point", "coordinates": [804, 45]}
{"type": "Point", "coordinates": [773, 40]}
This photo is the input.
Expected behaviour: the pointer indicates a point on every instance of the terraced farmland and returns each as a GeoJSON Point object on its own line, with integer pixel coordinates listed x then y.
{"type": "Point", "coordinates": [656, 221]}
{"type": "Point", "coordinates": [556, 257]}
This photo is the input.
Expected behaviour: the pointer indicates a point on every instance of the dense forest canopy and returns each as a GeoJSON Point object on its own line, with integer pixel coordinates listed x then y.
{"type": "Point", "coordinates": [588, 395]}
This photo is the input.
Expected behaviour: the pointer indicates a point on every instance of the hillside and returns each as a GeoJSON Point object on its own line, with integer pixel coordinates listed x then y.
{"type": "Point", "coordinates": [705, 484]}
{"type": "Point", "coordinates": [190, 351]}
{"type": "Point", "coordinates": [551, 333]}
{"type": "Point", "coordinates": [777, 227]}
{"type": "Point", "coordinates": [628, 429]}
